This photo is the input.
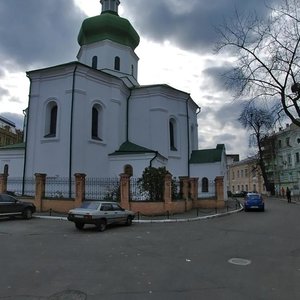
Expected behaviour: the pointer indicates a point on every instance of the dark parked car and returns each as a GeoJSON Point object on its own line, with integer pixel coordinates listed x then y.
{"type": "Point", "coordinates": [239, 194]}
{"type": "Point", "coordinates": [100, 214]}
{"type": "Point", "coordinates": [10, 206]}
{"type": "Point", "coordinates": [254, 201]}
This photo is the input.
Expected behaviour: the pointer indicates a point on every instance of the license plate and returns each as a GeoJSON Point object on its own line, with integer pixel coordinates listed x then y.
{"type": "Point", "coordinates": [79, 216]}
{"type": "Point", "coordinates": [254, 206]}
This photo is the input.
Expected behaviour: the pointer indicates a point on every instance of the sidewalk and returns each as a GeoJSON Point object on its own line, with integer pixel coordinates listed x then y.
{"type": "Point", "coordinates": [195, 214]}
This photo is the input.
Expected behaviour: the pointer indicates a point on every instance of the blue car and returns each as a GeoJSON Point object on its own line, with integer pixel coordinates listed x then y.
{"type": "Point", "coordinates": [254, 201]}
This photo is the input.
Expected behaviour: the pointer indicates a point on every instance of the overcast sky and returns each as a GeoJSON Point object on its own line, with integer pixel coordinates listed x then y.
{"type": "Point", "coordinates": [177, 41]}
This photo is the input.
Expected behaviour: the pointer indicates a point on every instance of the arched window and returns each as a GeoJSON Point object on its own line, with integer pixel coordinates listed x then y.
{"type": "Point", "coordinates": [95, 62]}
{"type": "Point", "coordinates": [97, 113]}
{"type": "Point", "coordinates": [117, 63]}
{"type": "Point", "coordinates": [5, 169]}
{"type": "Point", "coordinates": [51, 119]}
{"type": "Point", "coordinates": [172, 133]}
{"type": "Point", "coordinates": [132, 70]}
{"type": "Point", "coordinates": [128, 170]}
{"type": "Point", "coordinates": [204, 185]}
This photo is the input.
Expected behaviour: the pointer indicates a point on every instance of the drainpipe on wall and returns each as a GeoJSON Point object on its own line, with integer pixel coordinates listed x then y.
{"type": "Point", "coordinates": [71, 132]}
{"type": "Point", "coordinates": [188, 133]}
{"type": "Point", "coordinates": [25, 137]}
{"type": "Point", "coordinates": [127, 116]}
{"type": "Point", "coordinates": [152, 159]}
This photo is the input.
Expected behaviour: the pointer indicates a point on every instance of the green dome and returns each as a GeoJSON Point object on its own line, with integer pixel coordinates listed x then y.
{"type": "Point", "coordinates": [108, 26]}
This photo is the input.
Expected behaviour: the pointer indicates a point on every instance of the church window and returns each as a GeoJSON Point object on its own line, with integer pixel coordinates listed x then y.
{"type": "Point", "coordinates": [96, 122]}
{"type": "Point", "coordinates": [5, 171]}
{"type": "Point", "coordinates": [95, 62]}
{"type": "Point", "coordinates": [117, 63]}
{"type": "Point", "coordinates": [51, 119]}
{"type": "Point", "coordinates": [128, 170]}
{"type": "Point", "coordinates": [132, 70]}
{"type": "Point", "coordinates": [204, 185]}
{"type": "Point", "coordinates": [172, 132]}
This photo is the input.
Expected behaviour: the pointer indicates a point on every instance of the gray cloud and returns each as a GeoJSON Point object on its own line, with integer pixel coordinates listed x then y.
{"type": "Point", "coordinates": [3, 92]}
{"type": "Point", "coordinates": [2, 73]}
{"type": "Point", "coordinates": [38, 32]}
{"type": "Point", "coordinates": [189, 24]}
{"type": "Point", "coordinates": [215, 76]}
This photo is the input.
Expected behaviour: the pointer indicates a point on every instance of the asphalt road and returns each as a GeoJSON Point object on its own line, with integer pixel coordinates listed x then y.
{"type": "Point", "coordinates": [253, 255]}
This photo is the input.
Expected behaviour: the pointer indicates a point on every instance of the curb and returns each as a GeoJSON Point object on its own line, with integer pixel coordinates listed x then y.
{"type": "Point", "coordinates": [51, 218]}
{"type": "Point", "coordinates": [160, 221]}
{"type": "Point", "coordinates": [191, 219]}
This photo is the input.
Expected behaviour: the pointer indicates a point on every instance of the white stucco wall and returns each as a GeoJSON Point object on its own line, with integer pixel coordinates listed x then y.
{"type": "Point", "coordinates": [14, 158]}
{"type": "Point", "coordinates": [87, 155]}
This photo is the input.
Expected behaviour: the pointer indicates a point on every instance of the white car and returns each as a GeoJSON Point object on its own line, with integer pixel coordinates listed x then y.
{"type": "Point", "coordinates": [100, 213]}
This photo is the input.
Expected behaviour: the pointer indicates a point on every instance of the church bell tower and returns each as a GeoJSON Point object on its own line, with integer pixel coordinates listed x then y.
{"type": "Point", "coordinates": [107, 43]}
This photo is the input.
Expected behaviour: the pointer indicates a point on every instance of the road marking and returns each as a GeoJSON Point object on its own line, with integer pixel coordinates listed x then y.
{"type": "Point", "coordinates": [239, 261]}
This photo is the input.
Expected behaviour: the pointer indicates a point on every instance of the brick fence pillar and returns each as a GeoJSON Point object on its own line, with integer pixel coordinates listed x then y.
{"type": "Point", "coordinates": [79, 188]}
{"type": "Point", "coordinates": [194, 188]}
{"type": "Point", "coordinates": [219, 181]}
{"type": "Point", "coordinates": [40, 182]}
{"type": "Point", "coordinates": [3, 183]}
{"type": "Point", "coordinates": [125, 190]}
{"type": "Point", "coordinates": [167, 191]}
{"type": "Point", "coordinates": [185, 189]}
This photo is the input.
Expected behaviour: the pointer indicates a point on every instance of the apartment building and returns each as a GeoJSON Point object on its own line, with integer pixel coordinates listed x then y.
{"type": "Point", "coordinates": [8, 133]}
{"type": "Point", "coordinates": [245, 175]}
{"type": "Point", "coordinates": [282, 157]}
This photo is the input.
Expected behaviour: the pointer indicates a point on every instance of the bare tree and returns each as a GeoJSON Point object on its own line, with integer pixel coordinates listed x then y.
{"type": "Point", "coordinates": [259, 122]}
{"type": "Point", "coordinates": [267, 56]}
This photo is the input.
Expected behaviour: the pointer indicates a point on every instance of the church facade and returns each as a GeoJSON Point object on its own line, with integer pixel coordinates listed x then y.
{"type": "Point", "coordinates": [92, 116]}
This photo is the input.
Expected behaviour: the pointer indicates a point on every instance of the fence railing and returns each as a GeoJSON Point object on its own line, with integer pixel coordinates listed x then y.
{"type": "Point", "coordinates": [15, 185]}
{"type": "Point", "coordinates": [99, 188]}
{"type": "Point", "coordinates": [59, 187]}
{"type": "Point", "coordinates": [102, 189]}
{"type": "Point", "coordinates": [136, 192]}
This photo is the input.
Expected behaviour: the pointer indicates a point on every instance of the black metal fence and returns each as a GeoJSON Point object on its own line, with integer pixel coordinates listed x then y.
{"type": "Point", "coordinates": [59, 187]}
{"type": "Point", "coordinates": [15, 185]}
{"type": "Point", "coordinates": [136, 192]}
{"type": "Point", "coordinates": [102, 189]}
{"type": "Point", "coordinates": [97, 188]}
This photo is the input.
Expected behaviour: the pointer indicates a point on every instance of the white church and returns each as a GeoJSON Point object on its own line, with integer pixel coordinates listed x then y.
{"type": "Point", "coordinates": [92, 116]}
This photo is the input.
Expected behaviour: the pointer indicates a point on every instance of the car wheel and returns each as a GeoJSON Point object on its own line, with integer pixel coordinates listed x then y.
{"type": "Point", "coordinates": [129, 221]}
{"type": "Point", "coordinates": [79, 225]}
{"type": "Point", "coordinates": [27, 213]}
{"type": "Point", "coordinates": [102, 225]}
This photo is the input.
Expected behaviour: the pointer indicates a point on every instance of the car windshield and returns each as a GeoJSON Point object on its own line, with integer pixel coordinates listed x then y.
{"type": "Point", "coordinates": [254, 196]}
{"type": "Point", "coordinates": [90, 205]}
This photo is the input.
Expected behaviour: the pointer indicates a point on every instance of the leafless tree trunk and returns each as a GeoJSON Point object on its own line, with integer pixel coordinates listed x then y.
{"type": "Point", "coordinates": [259, 122]}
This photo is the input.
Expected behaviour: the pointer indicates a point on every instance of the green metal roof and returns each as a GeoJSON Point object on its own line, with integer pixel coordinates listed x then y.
{"type": "Point", "coordinates": [14, 146]}
{"type": "Point", "coordinates": [108, 26]}
{"type": "Point", "coordinates": [207, 155]}
{"type": "Point", "coordinates": [131, 148]}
